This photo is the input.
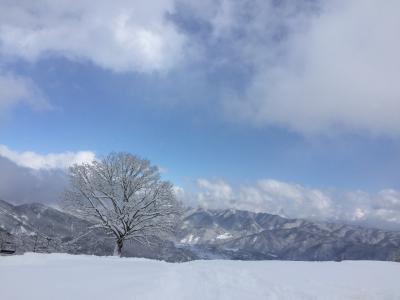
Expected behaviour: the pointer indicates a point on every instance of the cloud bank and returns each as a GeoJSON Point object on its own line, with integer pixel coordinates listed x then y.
{"type": "Point", "coordinates": [381, 209]}
{"type": "Point", "coordinates": [20, 185]}
{"type": "Point", "coordinates": [31, 177]}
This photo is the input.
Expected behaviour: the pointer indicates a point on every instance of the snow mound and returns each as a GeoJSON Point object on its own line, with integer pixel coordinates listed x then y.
{"type": "Point", "coordinates": [62, 276]}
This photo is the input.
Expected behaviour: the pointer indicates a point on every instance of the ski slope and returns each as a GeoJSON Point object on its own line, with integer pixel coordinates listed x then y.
{"type": "Point", "coordinates": [62, 276]}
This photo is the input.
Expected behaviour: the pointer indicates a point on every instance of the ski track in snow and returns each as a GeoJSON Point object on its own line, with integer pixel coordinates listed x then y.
{"type": "Point", "coordinates": [62, 276]}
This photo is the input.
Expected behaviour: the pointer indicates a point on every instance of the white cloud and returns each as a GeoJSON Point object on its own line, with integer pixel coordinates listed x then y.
{"type": "Point", "coordinates": [381, 209]}
{"type": "Point", "coordinates": [214, 190]}
{"type": "Point", "coordinates": [341, 72]}
{"type": "Point", "coordinates": [49, 161]}
{"type": "Point", "coordinates": [318, 67]}
{"type": "Point", "coordinates": [119, 35]}
{"type": "Point", "coordinates": [16, 90]}
{"type": "Point", "coordinates": [364, 207]}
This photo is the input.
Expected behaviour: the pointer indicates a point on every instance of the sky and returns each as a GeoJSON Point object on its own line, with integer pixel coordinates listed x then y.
{"type": "Point", "coordinates": [287, 107]}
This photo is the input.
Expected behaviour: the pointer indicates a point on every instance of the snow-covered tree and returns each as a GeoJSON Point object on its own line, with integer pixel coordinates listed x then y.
{"type": "Point", "coordinates": [124, 195]}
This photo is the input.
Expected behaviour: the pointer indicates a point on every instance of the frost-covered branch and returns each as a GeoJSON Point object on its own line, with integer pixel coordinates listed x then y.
{"type": "Point", "coordinates": [124, 195]}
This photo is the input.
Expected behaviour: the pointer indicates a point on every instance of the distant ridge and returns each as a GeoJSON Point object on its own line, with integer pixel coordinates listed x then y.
{"type": "Point", "coordinates": [204, 234]}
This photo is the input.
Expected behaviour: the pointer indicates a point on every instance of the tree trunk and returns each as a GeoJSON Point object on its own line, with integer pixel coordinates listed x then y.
{"type": "Point", "coordinates": [118, 248]}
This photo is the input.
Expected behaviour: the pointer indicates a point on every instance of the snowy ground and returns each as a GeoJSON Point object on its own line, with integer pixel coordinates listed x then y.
{"type": "Point", "coordinates": [62, 276]}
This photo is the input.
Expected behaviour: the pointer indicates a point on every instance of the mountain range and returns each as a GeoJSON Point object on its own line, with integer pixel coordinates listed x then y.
{"type": "Point", "coordinates": [202, 234]}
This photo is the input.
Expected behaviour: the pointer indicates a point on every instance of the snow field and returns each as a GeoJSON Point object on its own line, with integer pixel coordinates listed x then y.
{"type": "Point", "coordinates": [62, 276]}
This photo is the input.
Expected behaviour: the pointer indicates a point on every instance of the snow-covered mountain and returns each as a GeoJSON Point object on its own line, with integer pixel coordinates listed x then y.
{"type": "Point", "coordinates": [246, 235]}
{"type": "Point", "coordinates": [227, 234]}
{"type": "Point", "coordinates": [38, 228]}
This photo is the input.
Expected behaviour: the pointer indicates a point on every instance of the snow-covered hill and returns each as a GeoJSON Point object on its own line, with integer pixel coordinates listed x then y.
{"type": "Point", "coordinates": [63, 276]}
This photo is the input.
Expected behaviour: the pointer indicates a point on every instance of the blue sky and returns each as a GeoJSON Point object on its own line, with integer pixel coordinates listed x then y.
{"type": "Point", "coordinates": [100, 111]}
{"type": "Point", "coordinates": [228, 92]}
